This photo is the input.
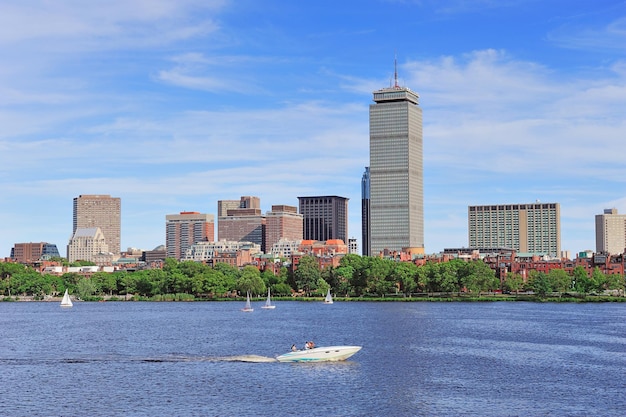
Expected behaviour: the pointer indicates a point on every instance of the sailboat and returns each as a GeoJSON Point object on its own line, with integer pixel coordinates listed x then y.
{"type": "Point", "coordinates": [329, 298]}
{"type": "Point", "coordinates": [248, 308]}
{"type": "Point", "coordinates": [66, 301]}
{"type": "Point", "coordinates": [268, 302]}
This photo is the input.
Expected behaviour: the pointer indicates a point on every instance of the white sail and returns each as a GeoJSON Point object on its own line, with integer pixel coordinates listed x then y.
{"type": "Point", "coordinates": [329, 298]}
{"type": "Point", "coordinates": [66, 301]}
{"type": "Point", "coordinates": [268, 302]}
{"type": "Point", "coordinates": [248, 306]}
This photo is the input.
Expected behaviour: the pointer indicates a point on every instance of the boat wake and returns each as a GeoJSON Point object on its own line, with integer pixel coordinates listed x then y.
{"type": "Point", "coordinates": [152, 359]}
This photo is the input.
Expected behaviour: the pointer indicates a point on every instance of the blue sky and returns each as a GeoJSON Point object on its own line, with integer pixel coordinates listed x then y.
{"type": "Point", "coordinates": [173, 105]}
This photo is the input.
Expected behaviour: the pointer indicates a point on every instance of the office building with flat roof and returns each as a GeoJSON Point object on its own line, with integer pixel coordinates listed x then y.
{"type": "Point", "coordinates": [244, 223]}
{"type": "Point", "coordinates": [528, 228]}
{"type": "Point", "coordinates": [610, 232]}
{"type": "Point", "coordinates": [282, 222]}
{"type": "Point", "coordinates": [32, 252]}
{"type": "Point", "coordinates": [101, 211]}
{"type": "Point", "coordinates": [325, 217]}
{"type": "Point", "coordinates": [396, 203]}
{"type": "Point", "coordinates": [184, 229]}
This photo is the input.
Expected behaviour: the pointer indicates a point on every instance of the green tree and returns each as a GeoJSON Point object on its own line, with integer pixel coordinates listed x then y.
{"type": "Point", "coordinates": [540, 283]}
{"type": "Point", "coordinates": [85, 288]}
{"type": "Point", "coordinates": [513, 282]}
{"type": "Point", "coordinates": [581, 281]}
{"type": "Point", "coordinates": [560, 281]}
{"type": "Point", "coordinates": [250, 280]}
{"type": "Point", "coordinates": [405, 273]}
{"type": "Point", "coordinates": [307, 274]}
{"type": "Point", "coordinates": [477, 276]}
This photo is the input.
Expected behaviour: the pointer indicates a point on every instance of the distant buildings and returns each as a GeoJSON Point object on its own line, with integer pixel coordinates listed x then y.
{"type": "Point", "coordinates": [610, 232]}
{"type": "Point", "coordinates": [184, 229]}
{"type": "Point", "coordinates": [244, 223]}
{"type": "Point", "coordinates": [88, 244]}
{"type": "Point", "coordinates": [32, 252]}
{"type": "Point", "coordinates": [325, 217]}
{"type": "Point", "coordinates": [283, 222]}
{"type": "Point", "coordinates": [396, 195]}
{"type": "Point", "coordinates": [101, 211]}
{"type": "Point", "coordinates": [365, 212]}
{"type": "Point", "coordinates": [528, 228]}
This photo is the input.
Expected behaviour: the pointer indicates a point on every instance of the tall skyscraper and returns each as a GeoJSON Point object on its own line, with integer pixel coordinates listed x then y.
{"type": "Point", "coordinates": [184, 229]}
{"type": "Point", "coordinates": [101, 211]}
{"type": "Point", "coordinates": [396, 171]}
{"type": "Point", "coordinates": [325, 217]}
{"type": "Point", "coordinates": [365, 212]}
{"type": "Point", "coordinates": [531, 228]}
{"type": "Point", "coordinates": [611, 232]}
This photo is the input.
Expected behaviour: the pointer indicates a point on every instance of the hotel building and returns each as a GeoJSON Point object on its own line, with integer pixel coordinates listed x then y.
{"type": "Point", "coordinates": [528, 228]}
{"type": "Point", "coordinates": [610, 232]}
{"type": "Point", "coordinates": [184, 229]}
{"type": "Point", "coordinates": [101, 211]}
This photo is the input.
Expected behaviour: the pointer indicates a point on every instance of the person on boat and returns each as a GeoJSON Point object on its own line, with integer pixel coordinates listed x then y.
{"type": "Point", "coordinates": [294, 348]}
{"type": "Point", "coordinates": [309, 345]}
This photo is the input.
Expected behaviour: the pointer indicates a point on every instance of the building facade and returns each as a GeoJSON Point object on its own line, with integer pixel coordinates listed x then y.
{"type": "Point", "coordinates": [101, 211]}
{"type": "Point", "coordinates": [87, 244]}
{"type": "Point", "coordinates": [244, 223]}
{"type": "Point", "coordinates": [610, 232]}
{"type": "Point", "coordinates": [325, 217]}
{"type": "Point", "coordinates": [32, 252]}
{"type": "Point", "coordinates": [365, 212]}
{"type": "Point", "coordinates": [396, 206]}
{"type": "Point", "coordinates": [184, 229]}
{"type": "Point", "coordinates": [283, 222]}
{"type": "Point", "coordinates": [529, 228]}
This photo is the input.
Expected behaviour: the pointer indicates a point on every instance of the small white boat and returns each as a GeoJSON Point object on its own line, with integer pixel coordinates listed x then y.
{"type": "Point", "coordinates": [66, 301]}
{"type": "Point", "coordinates": [329, 298]}
{"type": "Point", "coordinates": [248, 308]}
{"type": "Point", "coordinates": [268, 302]}
{"type": "Point", "coordinates": [320, 354]}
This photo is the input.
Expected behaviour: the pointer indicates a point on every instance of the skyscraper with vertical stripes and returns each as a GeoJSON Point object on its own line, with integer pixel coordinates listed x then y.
{"type": "Point", "coordinates": [396, 205]}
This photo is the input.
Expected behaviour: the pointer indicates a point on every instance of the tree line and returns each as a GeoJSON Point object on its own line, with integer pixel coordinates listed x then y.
{"type": "Point", "coordinates": [354, 277]}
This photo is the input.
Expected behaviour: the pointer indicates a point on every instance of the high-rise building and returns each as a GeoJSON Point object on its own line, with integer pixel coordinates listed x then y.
{"type": "Point", "coordinates": [365, 212]}
{"type": "Point", "coordinates": [531, 228]}
{"type": "Point", "coordinates": [101, 211]}
{"type": "Point", "coordinates": [244, 223]}
{"type": "Point", "coordinates": [31, 252]}
{"type": "Point", "coordinates": [283, 222]}
{"type": "Point", "coordinates": [611, 232]}
{"type": "Point", "coordinates": [396, 209]}
{"type": "Point", "coordinates": [184, 229]}
{"type": "Point", "coordinates": [325, 218]}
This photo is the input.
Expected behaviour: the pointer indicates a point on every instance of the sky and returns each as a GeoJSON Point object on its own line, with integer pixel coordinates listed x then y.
{"type": "Point", "coordinates": [174, 105]}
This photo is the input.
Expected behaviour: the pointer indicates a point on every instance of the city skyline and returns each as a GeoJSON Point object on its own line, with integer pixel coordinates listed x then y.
{"type": "Point", "coordinates": [179, 105]}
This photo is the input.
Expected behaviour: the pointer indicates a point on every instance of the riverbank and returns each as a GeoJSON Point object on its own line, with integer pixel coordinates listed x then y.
{"type": "Point", "coordinates": [425, 297]}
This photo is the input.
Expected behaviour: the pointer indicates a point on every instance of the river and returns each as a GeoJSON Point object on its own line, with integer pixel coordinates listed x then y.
{"type": "Point", "coordinates": [211, 359]}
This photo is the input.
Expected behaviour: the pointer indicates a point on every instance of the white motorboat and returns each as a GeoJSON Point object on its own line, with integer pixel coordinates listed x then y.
{"type": "Point", "coordinates": [320, 354]}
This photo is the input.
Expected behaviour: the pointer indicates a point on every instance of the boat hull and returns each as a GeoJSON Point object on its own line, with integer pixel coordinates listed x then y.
{"type": "Point", "coordinates": [320, 354]}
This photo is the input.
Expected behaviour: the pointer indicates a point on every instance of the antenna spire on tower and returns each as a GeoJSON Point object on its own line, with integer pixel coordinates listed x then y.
{"type": "Point", "coordinates": [395, 70]}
